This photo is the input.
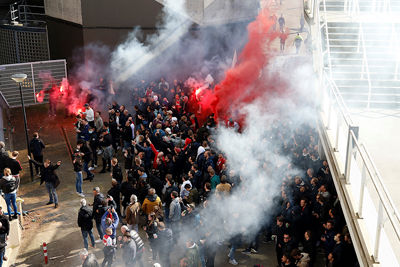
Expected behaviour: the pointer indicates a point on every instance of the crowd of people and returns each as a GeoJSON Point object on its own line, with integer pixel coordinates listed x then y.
{"type": "Point", "coordinates": [166, 175]}
{"type": "Point", "coordinates": [166, 168]}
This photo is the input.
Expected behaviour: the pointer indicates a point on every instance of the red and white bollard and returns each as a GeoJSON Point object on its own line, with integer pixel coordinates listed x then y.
{"type": "Point", "coordinates": [45, 253]}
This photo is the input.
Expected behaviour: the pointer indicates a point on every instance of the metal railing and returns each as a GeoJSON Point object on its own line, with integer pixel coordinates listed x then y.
{"type": "Point", "coordinates": [365, 66]}
{"type": "Point", "coordinates": [369, 199]}
{"type": "Point", "coordinates": [361, 42]}
{"type": "Point", "coordinates": [324, 25]}
{"type": "Point", "coordinates": [55, 71]}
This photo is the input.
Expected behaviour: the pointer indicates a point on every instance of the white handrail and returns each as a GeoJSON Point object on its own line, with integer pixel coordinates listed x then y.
{"type": "Point", "coordinates": [339, 99]}
{"type": "Point", "coordinates": [383, 195]}
{"type": "Point", "coordinates": [394, 41]}
{"type": "Point", "coordinates": [384, 200]}
{"type": "Point", "coordinates": [325, 23]}
{"type": "Point", "coordinates": [365, 66]}
{"type": "Point", "coordinates": [385, 192]}
{"type": "Point", "coordinates": [365, 62]}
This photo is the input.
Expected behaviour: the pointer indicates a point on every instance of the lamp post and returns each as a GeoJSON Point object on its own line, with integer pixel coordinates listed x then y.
{"type": "Point", "coordinates": [20, 78]}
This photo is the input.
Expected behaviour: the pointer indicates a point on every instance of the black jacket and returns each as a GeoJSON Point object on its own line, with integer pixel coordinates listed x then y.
{"type": "Point", "coordinates": [117, 173]}
{"type": "Point", "coordinates": [93, 141]}
{"type": "Point", "coordinates": [48, 174]}
{"type": "Point", "coordinates": [115, 193]}
{"type": "Point", "coordinates": [3, 160]}
{"type": "Point", "coordinates": [85, 218]}
{"type": "Point", "coordinates": [127, 189]}
{"type": "Point", "coordinates": [14, 166]}
{"type": "Point", "coordinates": [87, 153]}
{"type": "Point", "coordinates": [77, 165]}
{"type": "Point", "coordinates": [36, 145]}
{"type": "Point", "coordinates": [98, 207]}
{"type": "Point", "coordinates": [6, 225]}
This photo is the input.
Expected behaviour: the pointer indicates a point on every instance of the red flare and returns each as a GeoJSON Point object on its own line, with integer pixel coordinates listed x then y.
{"type": "Point", "coordinates": [243, 83]}
{"type": "Point", "coordinates": [197, 92]}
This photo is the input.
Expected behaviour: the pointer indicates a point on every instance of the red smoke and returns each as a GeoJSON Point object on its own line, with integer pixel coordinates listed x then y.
{"type": "Point", "coordinates": [243, 83]}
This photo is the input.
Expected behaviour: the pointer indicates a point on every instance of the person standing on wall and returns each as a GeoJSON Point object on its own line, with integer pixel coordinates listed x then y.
{"type": "Point", "coordinates": [4, 232]}
{"type": "Point", "coordinates": [4, 157]}
{"type": "Point", "coordinates": [9, 185]}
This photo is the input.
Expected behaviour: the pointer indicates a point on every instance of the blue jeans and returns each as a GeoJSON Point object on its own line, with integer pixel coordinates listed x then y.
{"type": "Point", "coordinates": [2, 252]}
{"type": "Point", "coordinates": [52, 193]}
{"type": "Point", "coordinates": [11, 200]}
{"type": "Point", "coordinates": [86, 169]}
{"type": "Point", "coordinates": [127, 144]}
{"type": "Point", "coordinates": [99, 229]}
{"type": "Point", "coordinates": [85, 237]}
{"type": "Point", "coordinates": [232, 252]}
{"type": "Point", "coordinates": [78, 183]}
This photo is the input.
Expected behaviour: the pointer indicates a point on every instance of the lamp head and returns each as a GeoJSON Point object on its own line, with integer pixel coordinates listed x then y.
{"type": "Point", "coordinates": [19, 78]}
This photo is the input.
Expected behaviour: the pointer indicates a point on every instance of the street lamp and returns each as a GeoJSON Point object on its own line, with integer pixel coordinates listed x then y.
{"type": "Point", "coordinates": [20, 78]}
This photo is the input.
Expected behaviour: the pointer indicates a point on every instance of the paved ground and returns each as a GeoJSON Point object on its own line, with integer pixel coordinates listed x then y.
{"type": "Point", "coordinates": [58, 227]}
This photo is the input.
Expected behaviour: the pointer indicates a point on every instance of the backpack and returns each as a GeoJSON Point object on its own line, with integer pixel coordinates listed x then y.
{"type": "Point", "coordinates": [9, 186]}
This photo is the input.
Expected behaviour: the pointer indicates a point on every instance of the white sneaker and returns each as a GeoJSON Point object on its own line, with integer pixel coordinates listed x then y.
{"type": "Point", "coordinates": [98, 241]}
{"type": "Point", "coordinates": [82, 195]}
{"type": "Point", "coordinates": [91, 168]}
{"type": "Point", "coordinates": [78, 193]}
{"type": "Point", "coordinates": [233, 262]}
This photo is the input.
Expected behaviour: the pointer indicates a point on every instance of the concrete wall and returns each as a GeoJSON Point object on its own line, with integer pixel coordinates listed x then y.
{"type": "Point", "coordinates": [120, 13]}
{"type": "Point", "coordinates": [69, 10]}
{"type": "Point", "coordinates": [64, 39]}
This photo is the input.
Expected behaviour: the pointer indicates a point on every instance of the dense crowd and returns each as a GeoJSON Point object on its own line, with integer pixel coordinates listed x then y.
{"type": "Point", "coordinates": [166, 170]}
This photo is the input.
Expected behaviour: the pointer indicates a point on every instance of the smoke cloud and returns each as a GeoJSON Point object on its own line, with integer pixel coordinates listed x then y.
{"type": "Point", "coordinates": [180, 49]}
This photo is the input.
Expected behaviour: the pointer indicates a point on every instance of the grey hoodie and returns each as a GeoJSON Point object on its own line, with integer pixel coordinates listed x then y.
{"type": "Point", "coordinates": [11, 178]}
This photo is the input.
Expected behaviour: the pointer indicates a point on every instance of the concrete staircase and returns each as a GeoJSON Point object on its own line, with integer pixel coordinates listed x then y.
{"type": "Point", "coordinates": [372, 85]}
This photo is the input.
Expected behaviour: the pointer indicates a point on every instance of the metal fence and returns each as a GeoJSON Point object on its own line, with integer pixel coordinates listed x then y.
{"type": "Point", "coordinates": [40, 75]}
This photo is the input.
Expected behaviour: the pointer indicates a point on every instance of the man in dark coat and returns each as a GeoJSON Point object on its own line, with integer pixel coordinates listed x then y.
{"type": "Point", "coordinates": [165, 244]}
{"type": "Point", "coordinates": [50, 178]}
{"type": "Point", "coordinates": [4, 232]}
{"type": "Point", "coordinates": [36, 146]}
{"type": "Point", "coordinates": [115, 192]}
{"type": "Point", "coordinates": [87, 155]}
{"type": "Point", "coordinates": [99, 207]}
{"type": "Point", "coordinates": [85, 222]}
{"type": "Point", "coordinates": [128, 250]}
{"type": "Point", "coordinates": [3, 158]}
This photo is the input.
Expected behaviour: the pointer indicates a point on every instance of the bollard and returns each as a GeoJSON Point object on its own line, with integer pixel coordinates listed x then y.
{"type": "Point", "coordinates": [21, 217]}
{"type": "Point", "coordinates": [45, 253]}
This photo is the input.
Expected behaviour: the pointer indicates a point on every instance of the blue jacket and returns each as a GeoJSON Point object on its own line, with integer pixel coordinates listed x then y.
{"type": "Point", "coordinates": [114, 225]}
{"type": "Point", "coordinates": [148, 154]}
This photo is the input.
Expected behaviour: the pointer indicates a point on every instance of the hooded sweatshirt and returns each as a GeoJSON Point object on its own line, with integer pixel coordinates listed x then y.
{"type": "Point", "coordinates": [10, 178]}
{"type": "Point", "coordinates": [150, 202]}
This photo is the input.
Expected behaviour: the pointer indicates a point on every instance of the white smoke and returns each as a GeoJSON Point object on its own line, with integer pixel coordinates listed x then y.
{"type": "Point", "coordinates": [255, 154]}
{"type": "Point", "coordinates": [132, 55]}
